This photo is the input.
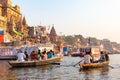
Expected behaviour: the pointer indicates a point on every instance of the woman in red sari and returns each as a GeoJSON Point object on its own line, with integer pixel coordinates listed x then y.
{"type": "Point", "coordinates": [33, 55]}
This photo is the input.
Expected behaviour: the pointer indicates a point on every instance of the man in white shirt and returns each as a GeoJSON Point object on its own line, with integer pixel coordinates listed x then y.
{"type": "Point", "coordinates": [21, 56]}
{"type": "Point", "coordinates": [87, 57]}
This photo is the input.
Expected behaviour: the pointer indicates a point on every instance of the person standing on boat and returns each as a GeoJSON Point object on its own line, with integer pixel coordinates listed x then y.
{"type": "Point", "coordinates": [21, 56]}
{"type": "Point", "coordinates": [87, 57]}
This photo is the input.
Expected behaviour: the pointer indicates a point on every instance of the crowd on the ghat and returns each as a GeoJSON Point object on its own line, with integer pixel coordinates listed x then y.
{"type": "Point", "coordinates": [34, 55]}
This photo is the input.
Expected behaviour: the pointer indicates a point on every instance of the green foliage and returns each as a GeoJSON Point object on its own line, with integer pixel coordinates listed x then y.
{"type": "Point", "coordinates": [83, 41]}
{"type": "Point", "coordinates": [69, 39]}
{"type": "Point", "coordinates": [93, 39]}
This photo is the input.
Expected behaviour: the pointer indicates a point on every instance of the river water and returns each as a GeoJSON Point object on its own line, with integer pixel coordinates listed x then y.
{"type": "Point", "coordinates": [64, 71]}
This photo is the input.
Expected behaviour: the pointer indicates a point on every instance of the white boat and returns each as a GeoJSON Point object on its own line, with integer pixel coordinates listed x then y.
{"type": "Point", "coordinates": [8, 53]}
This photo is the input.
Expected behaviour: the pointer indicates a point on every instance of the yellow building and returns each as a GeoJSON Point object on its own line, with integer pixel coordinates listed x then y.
{"type": "Point", "coordinates": [11, 21]}
{"type": "Point", "coordinates": [8, 10]}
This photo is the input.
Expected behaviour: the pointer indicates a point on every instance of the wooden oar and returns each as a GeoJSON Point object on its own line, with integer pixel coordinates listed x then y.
{"type": "Point", "coordinates": [56, 63]}
{"type": "Point", "coordinates": [114, 67]}
{"type": "Point", "coordinates": [78, 62]}
{"type": "Point", "coordinates": [111, 66]}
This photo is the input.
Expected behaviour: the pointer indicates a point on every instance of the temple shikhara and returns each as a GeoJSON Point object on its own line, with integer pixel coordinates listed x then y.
{"type": "Point", "coordinates": [12, 24]}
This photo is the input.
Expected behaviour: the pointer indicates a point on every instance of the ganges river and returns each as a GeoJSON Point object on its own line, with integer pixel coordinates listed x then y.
{"type": "Point", "coordinates": [64, 71]}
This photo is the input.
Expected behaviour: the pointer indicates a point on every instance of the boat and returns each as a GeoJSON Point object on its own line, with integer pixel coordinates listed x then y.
{"type": "Point", "coordinates": [82, 51]}
{"type": "Point", "coordinates": [75, 54]}
{"type": "Point", "coordinates": [95, 50]}
{"type": "Point", "coordinates": [93, 65]}
{"type": "Point", "coordinates": [65, 51]}
{"type": "Point", "coordinates": [66, 54]}
{"type": "Point", "coordinates": [35, 63]}
{"type": "Point", "coordinates": [8, 53]}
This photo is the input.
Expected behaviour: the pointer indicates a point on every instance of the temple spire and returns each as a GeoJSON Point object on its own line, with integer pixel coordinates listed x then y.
{"type": "Point", "coordinates": [24, 21]}
{"type": "Point", "coordinates": [53, 32]}
{"type": "Point", "coordinates": [53, 35]}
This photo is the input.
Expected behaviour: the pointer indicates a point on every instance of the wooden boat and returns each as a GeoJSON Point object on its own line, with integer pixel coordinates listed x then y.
{"type": "Point", "coordinates": [7, 53]}
{"type": "Point", "coordinates": [77, 54]}
{"type": "Point", "coordinates": [95, 50]}
{"type": "Point", "coordinates": [35, 63]}
{"type": "Point", "coordinates": [82, 51]}
{"type": "Point", "coordinates": [93, 65]}
{"type": "Point", "coordinates": [66, 54]}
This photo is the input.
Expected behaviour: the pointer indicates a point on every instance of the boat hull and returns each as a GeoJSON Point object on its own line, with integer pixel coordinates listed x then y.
{"type": "Point", "coordinates": [94, 65]}
{"type": "Point", "coordinates": [8, 57]}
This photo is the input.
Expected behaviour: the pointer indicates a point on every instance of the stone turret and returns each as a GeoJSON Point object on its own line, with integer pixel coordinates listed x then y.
{"type": "Point", "coordinates": [24, 27]}
{"type": "Point", "coordinates": [6, 3]}
{"type": "Point", "coordinates": [8, 10]}
{"type": "Point", "coordinates": [24, 21]}
{"type": "Point", "coordinates": [19, 25]}
{"type": "Point", "coordinates": [11, 25]}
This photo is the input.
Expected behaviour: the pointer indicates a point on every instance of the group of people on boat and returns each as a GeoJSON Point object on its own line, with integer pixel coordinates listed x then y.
{"type": "Point", "coordinates": [89, 58]}
{"type": "Point", "coordinates": [35, 55]}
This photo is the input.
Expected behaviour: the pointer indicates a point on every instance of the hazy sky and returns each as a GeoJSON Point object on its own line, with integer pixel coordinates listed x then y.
{"type": "Point", "coordinates": [96, 18]}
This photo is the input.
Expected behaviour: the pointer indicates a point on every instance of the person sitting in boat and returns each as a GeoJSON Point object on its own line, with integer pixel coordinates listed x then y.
{"type": "Point", "coordinates": [102, 57]}
{"type": "Point", "coordinates": [92, 58]}
{"type": "Point", "coordinates": [26, 58]}
{"type": "Point", "coordinates": [39, 55]}
{"type": "Point", "coordinates": [33, 55]}
{"type": "Point", "coordinates": [21, 56]}
{"type": "Point", "coordinates": [44, 57]}
{"type": "Point", "coordinates": [50, 54]}
{"type": "Point", "coordinates": [87, 57]}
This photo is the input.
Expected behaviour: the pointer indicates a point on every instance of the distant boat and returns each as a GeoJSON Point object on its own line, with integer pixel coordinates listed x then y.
{"type": "Point", "coordinates": [66, 54]}
{"type": "Point", "coordinates": [81, 53]}
{"type": "Point", "coordinates": [65, 51]}
{"type": "Point", "coordinates": [75, 54]}
{"type": "Point", "coordinates": [8, 53]}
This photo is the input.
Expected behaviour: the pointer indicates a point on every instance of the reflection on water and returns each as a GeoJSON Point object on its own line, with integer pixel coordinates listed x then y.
{"type": "Point", "coordinates": [42, 72]}
{"type": "Point", "coordinates": [65, 71]}
{"type": "Point", "coordinates": [98, 74]}
{"type": "Point", "coordinates": [5, 73]}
